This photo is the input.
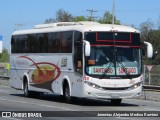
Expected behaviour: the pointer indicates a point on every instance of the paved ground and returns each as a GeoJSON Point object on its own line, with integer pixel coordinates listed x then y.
{"type": "Point", "coordinates": [146, 95]}
{"type": "Point", "coordinates": [12, 100]}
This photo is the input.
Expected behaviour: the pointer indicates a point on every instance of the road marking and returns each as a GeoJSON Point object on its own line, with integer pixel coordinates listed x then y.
{"type": "Point", "coordinates": [151, 109]}
{"type": "Point", "coordinates": [37, 104]}
{"type": "Point", "coordinates": [143, 100]}
{"type": "Point", "coordinates": [12, 118]}
{"type": "Point", "coordinates": [4, 91]}
{"type": "Point", "coordinates": [12, 100]}
{"type": "Point", "coordinates": [57, 107]}
{"type": "Point", "coordinates": [4, 86]}
{"type": "Point", "coordinates": [123, 118]}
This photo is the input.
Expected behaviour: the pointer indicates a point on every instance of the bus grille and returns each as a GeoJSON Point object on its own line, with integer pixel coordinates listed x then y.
{"type": "Point", "coordinates": [108, 88]}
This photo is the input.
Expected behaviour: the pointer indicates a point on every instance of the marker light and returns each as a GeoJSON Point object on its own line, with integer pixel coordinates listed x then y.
{"type": "Point", "coordinates": [92, 85]}
{"type": "Point", "coordinates": [135, 86]}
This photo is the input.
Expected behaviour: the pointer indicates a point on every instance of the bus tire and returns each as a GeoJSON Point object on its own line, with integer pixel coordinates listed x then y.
{"type": "Point", "coordinates": [67, 94]}
{"type": "Point", "coordinates": [27, 93]}
{"type": "Point", "coordinates": [116, 101]}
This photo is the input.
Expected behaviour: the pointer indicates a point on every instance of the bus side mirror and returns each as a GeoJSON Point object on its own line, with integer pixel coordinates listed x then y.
{"type": "Point", "coordinates": [149, 49]}
{"type": "Point", "coordinates": [87, 48]}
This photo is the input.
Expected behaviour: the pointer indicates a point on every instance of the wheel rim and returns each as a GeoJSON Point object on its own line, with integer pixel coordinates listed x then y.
{"type": "Point", "coordinates": [67, 93]}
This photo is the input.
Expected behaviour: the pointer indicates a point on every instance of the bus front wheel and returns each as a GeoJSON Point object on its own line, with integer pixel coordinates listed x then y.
{"type": "Point", "coordinates": [67, 93]}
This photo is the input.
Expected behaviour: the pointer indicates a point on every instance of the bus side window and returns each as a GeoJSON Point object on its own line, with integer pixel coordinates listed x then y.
{"type": "Point", "coordinates": [54, 42]}
{"type": "Point", "coordinates": [66, 45]}
{"type": "Point", "coordinates": [78, 63]}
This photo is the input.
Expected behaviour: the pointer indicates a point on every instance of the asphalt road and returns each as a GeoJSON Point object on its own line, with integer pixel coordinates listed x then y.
{"type": "Point", "coordinates": [13, 100]}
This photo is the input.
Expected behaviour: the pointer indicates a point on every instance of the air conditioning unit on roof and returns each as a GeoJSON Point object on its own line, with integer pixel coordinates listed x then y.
{"type": "Point", "coordinates": [51, 25]}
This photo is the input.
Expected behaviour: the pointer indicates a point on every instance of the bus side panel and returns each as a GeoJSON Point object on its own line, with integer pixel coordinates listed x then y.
{"type": "Point", "coordinates": [14, 81]}
{"type": "Point", "coordinates": [74, 81]}
{"type": "Point", "coordinates": [67, 73]}
{"type": "Point", "coordinates": [38, 70]}
{"type": "Point", "coordinates": [65, 65]}
{"type": "Point", "coordinates": [43, 71]}
{"type": "Point", "coordinates": [77, 86]}
{"type": "Point", "coordinates": [15, 75]}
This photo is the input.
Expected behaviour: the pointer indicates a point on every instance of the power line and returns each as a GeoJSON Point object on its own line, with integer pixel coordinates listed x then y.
{"type": "Point", "coordinates": [91, 12]}
{"type": "Point", "coordinates": [18, 26]}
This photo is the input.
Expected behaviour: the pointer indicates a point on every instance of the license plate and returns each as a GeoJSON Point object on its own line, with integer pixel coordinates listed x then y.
{"type": "Point", "coordinates": [114, 95]}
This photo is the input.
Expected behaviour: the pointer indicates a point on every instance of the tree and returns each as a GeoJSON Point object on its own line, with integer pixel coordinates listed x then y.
{"type": "Point", "coordinates": [80, 18]}
{"type": "Point", "coordinates": [50, 20]}
{"type": "Point", "coordinates": [107, 19]}
{"type": "Point", "coordinates": [145, 29]}
{"type": "Point", "coordinates": [158, 22]}
{"type": "Point", "coordinates": [61, 16]}
{"type": "Point", "coordinates": [150, 34]}
{"type": "Point", "coordinates": [4, 56]}
{"type": "Point", "coordinates": [154, 39]}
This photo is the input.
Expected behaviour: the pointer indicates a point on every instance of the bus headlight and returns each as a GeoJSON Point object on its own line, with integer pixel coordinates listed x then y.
{"type": "Point", "coordinates": [135, 86]}
{"type": "Point", "coordinates": [92, 85]}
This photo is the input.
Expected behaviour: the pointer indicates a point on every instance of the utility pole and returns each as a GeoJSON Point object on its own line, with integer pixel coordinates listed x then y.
{"type": "Point", "coordinates": [113, 13]}
{"type": "Point", "coordinates": [92, 17]}
{"type": "Point", "coordinates": [1, 44]}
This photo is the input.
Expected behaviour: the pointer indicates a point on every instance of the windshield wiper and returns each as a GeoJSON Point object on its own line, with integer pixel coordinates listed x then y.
{"type": "Point", "coordinates": [111, 62]}
{"type": "Point", "coordinates": [106, 71]}
{"type": "Point", "coordinates": [125, 69]}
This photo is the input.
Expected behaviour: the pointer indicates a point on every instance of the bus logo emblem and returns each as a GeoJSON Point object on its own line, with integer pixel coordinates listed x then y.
{"type": "Point", "coordinates": [64, 62]}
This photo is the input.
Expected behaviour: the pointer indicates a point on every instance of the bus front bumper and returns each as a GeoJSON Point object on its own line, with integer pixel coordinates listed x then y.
{"type": "Point", "coordinates": [112, 94]}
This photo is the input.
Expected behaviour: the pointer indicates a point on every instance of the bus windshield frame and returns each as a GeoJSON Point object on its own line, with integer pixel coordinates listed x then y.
{"type": "Point", "coordinates": [106, 51]}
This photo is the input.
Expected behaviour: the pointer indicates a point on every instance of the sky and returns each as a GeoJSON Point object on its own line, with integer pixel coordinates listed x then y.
{"type": "Point", "coordinates": [24, 14]}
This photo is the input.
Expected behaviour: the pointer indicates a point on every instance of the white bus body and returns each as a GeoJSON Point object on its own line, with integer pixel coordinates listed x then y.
{"type": "Point", "coordinates": [38, 68]}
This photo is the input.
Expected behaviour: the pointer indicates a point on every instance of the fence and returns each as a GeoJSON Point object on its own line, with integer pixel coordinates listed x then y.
{"type": "Point", "coordinates": [151, 75]}
{"type": "Point", "coordinates": [4, 70]}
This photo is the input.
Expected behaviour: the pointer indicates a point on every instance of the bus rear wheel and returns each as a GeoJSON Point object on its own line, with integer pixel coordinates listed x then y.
{"type": "Point", "coordinates": [27, 93]}
{"type": "Point", "coordinates": [116, 101]}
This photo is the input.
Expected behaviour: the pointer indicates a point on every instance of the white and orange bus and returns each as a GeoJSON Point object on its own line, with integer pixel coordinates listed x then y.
{"type": "Point", "coordinates": [78, 59]}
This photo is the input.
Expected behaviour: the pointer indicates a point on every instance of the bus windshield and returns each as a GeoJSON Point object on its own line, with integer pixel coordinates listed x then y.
{"type": "Point", "coordinates": [113, 61]}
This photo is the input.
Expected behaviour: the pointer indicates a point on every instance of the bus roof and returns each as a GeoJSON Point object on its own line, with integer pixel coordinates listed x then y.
{"type": "Point", "coordinates": [84, 26]}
